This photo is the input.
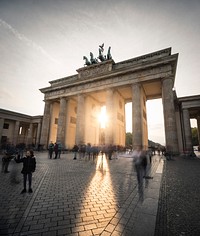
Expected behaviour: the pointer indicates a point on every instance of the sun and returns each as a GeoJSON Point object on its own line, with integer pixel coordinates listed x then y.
{"type": "Point", "coordinates": [103, 117]}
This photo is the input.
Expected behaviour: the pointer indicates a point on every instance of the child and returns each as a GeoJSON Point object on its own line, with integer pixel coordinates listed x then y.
{"type": "Point", "coordinates": [29, 165]}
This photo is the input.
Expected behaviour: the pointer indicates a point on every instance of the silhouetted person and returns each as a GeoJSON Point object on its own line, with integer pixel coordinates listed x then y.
{"type": "Point", "coordinates": [56, 150]}
{"type": "Point", "coordinates": [29, 165]}
{"type": "Point", "coordinates": [140, 161]}
{"type": "Point", "coordinates": [51, 149]}
{"type": "Point", "coordinates": [59, 149]}
{"type": "Point", "coordinates": [5, 162]}
{"type": "Point", "coordinates": [75, 151]}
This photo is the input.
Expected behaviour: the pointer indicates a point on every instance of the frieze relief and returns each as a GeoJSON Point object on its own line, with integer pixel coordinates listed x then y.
{"type": "Point", "coordinates": [95, 70]}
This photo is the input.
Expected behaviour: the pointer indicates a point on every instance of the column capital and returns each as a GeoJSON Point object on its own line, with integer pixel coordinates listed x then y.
{"type": "Point", "coordinates": [136, 83]}
{"type": "Point", "coordinates": [47, 101]}
{"type": "Point", "coordinates": [64, 98]}
{"type": "Point", "coordinates": [167, 79]}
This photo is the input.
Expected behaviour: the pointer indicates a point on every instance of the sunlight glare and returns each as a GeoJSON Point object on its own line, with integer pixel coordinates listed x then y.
{"type": "Point", "coordinates": [102, 163]}
{"type": "Point", "coordinates": [103, 117]}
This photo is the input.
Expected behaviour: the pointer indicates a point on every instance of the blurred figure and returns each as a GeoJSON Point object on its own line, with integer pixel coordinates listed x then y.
{"type": "Point", "coordinates": [56, 150]}
{"type": "Point", "coordinates": [5, 162]}
{"type": "Point", "coordinates": [75, 151]}
{"type": "Point", "coordinates": [51, 149]}
{"type": "Point", "coordinates": [59, 149]}
{"type": "Point", "coordinates": [14, 179]}
{"type": "Point", "coordinates": [88, 150]}
{"type": "Point", "coordinates": [140, 162]}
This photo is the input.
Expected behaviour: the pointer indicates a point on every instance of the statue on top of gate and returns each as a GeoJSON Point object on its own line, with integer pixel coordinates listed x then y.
{"type": "Point", "coordinates": [100, 58]}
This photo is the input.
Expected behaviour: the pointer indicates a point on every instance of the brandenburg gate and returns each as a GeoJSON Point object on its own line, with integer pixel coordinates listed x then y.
{"type": "Point", "coordinates": [73, 103]}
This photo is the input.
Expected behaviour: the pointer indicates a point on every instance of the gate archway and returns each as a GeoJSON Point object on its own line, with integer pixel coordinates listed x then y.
{"type": "Point", "coordinates": [72, 103]}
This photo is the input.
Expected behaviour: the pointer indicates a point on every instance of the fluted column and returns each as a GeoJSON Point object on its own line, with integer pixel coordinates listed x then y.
{"type": "Point", "coordinates": [62, 121]}
{"type": "Point", "coordinates": [187, 130]}
{"type": "Point", "coordinates": [169, 116]}
{"type": "Point", "coordinates": [80, 121]}
{"type": "Point", "coordinates": [109, 113]}
{"type": "Point", "coordinates": [16, 132]}
{"type": "Point", "coordinates": [136, 116]}
{"type": "Point", "coordinates": [45, 125]}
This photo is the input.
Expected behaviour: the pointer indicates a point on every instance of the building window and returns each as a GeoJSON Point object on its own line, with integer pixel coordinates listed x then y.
{"type": "Point", "coordinates": [6, 126]}
{"type": "Point", "coordinates": [20, 130]}
{"type": "Point", "coordinates": [56, 121]}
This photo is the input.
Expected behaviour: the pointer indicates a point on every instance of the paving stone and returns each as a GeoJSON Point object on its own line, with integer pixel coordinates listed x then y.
{"type": "Point", "coordinates": [75, 198]}
{"type": "Point", "coordinates": [179, 201]}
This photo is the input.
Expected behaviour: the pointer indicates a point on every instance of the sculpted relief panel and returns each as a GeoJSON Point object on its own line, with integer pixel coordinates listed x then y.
{"type": "Point", "coordinates": [95, 70]}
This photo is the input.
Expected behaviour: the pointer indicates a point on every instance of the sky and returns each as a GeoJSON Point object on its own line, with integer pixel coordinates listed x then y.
{"type": "Point", "coordinates": [44, 40]}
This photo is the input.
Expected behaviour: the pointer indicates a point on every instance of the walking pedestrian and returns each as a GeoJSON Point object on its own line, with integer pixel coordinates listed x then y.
{"type": "Point", "coordinates": [75, 151]}
{"type": "Point", "coordinates": [51, 149]}
{"type": "Point", "coordinates": [29, 165]}
{"type": "Point", "coordinates": [56, 150]}
{"type": "Point", "coordinates": [59, 149]}
{"type": "Point", "coordinates": [5, 162]}
{"type": "Point", "coordinates": [140, 162]}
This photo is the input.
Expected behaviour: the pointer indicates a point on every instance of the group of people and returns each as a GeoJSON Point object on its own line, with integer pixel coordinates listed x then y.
{"type": "Point", "coordinates": [29, 161]}
{"type": "Point", "coordinates": [54, 149]}
{"type": "Point", "coordinates": [92, 151]}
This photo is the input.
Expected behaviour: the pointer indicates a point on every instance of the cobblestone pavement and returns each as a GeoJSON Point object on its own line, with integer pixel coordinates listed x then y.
{"type": "Point", "coordinates": [79, 197]}
{"type": "Point", "coordinates": [179, 203]}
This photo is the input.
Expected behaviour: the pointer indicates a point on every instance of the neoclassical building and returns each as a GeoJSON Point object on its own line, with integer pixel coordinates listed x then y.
{"type": "Point", "coordinates": [16, 128]}
{"type": "Point", "coordinates": [73, 104]}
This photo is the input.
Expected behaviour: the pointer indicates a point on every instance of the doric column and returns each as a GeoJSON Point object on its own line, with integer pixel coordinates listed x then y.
{"type": "Point", "coordinates": [198, 128]}
{"type": "Point", "coordinates": [80, 120]}
{"type": "Point", "coordinates": [38, 134]}
{"type": "Point", "coordinates": [169, 115]}
{"type": "Point", "coordinates": [109, 113]}
{"type": "Point", "coordinates": [29, 135]}
{"type": "Point", "coordinates": [187, 130]}
{"type": "Point", "coordinates": [16, 132]}
{"type": "Point", "coordinates": [136, 116]}
{"type": "Point", "coordinates": [1, 128]}
{"type": "Point", "coordinates": [62, 121]}
{"type": "Point", "coordinates": [45, 125]}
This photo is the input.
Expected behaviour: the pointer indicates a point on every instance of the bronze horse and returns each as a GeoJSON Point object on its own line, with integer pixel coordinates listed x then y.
{"type": "Point", "coordinates": [101, 56]}
{"type": "Point", "coordinates": [87, 62]}
{"type": "Point", "coordinates": [92, 59]}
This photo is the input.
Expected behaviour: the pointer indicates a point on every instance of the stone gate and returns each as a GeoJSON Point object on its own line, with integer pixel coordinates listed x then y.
{"type": "Point", "coordinates": [72, 104]}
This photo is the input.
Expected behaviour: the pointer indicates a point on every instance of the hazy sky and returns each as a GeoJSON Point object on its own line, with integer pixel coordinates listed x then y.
{"type": "Point", "coordinates": [44, 40]}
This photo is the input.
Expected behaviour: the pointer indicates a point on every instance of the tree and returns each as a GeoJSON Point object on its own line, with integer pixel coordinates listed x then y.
{"type": "Point", "coordinates": [195, 141]}
{"type": "Point", "coordinates": [128, 139]}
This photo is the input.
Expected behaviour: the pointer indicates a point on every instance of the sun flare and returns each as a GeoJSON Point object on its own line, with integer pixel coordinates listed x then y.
{"type": "Point", "coordinates": [103, 117]}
